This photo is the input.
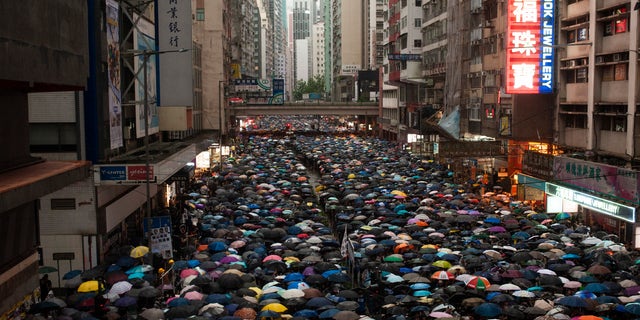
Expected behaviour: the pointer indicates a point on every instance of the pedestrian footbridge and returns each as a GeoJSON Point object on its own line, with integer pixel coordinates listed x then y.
{"type": "Point", "coordinates": [306, 108]}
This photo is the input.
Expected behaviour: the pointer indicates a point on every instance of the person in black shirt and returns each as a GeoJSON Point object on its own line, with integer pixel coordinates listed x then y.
{"type": "Point", "coordinates": [45, 287]}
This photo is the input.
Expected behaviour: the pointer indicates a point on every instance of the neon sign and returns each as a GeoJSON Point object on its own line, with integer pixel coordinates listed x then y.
{"type": "Point", "coordinates": [530, 46]}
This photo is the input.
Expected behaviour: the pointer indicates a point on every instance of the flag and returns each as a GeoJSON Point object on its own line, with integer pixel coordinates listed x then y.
{"type": "Point", "coordinates": [344, 247]}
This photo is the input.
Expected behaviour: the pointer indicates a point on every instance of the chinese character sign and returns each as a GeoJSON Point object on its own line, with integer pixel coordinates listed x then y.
{"type": "Point", "coordinates": [530, 51]}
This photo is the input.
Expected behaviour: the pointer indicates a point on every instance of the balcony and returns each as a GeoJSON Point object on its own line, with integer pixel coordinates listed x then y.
{"type": "Point", "coordinates": [614, 91]}
{"type": "Point", "coordinates": [575, 137]}
{"type": "Point", "coordinates": [577, 92]}
{"type": "Point", "coordinates": [578, 9]}
{"type": "Point", "coordinates": [612, 141]}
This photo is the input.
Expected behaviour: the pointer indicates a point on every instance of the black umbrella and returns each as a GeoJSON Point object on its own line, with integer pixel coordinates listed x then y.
{"type": "Point", "coordinates": [230, 281]}
{"type": "Point", "coordinates": [44, 306]}
{"type": "Point", "coordinates": [515, 312]}
{"type": "Point", "coordinates": [339, 277]}
{"type": "Point", "coordinates": [179, 312]}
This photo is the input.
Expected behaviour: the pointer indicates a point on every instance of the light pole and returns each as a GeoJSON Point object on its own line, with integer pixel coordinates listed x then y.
{"type": "Point", "coordinates": [147, 167]}
{"type": "Point", "coordinates": [220, 122]}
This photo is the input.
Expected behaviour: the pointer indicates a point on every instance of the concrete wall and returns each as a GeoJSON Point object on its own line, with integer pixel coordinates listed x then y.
{"type": "Point", "coordinates": [44, 42]}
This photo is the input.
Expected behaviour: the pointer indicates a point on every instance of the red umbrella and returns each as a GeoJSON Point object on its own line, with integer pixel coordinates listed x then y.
{"type": "Point", "coordinates": [188, 272]}
{"type": "Point", "coordinates": [272, 257]}
{"type": "Point", "coordinates": [478, 282]}
{"type": "Point", "coordinates": [442, 275]}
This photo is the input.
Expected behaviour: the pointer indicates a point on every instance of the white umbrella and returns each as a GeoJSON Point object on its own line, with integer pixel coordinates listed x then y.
{"type": "Point", "coordinates": [291, 293]}
{"type": "Point", "coordinates": [523, 294]}
{"type": "Point", "coordinates": [509, 287]}
{"type": "Point", "coordinates": [546, 271]}
{"type": "Point", "coordinates": [121, 287]}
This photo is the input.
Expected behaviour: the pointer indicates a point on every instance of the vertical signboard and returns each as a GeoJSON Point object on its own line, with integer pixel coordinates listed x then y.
{"type": "Point", "coordinates": [144, 40]}
{"type": "Point", "coordinates": [113, 64]}
{"type": "Point", "coordinates": [176, 65]}
{"type": "Point", "coordinates": [530, 46]}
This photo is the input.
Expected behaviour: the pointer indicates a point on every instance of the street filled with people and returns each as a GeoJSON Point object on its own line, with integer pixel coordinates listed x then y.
{"type": "Point", "coordinates": [345, 227]}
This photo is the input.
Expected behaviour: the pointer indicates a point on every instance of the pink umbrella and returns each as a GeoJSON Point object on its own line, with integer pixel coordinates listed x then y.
{"type": "Point", "coordinates": [440, 314]}
{"type": "Point", "coordinates": [272, 257]}
{"type": "Point", "coordinates": [193, 295]}
{"type": "Point", "coordinates": [188, 272]}
{"type": "Point", "coordinates": [229, 259]}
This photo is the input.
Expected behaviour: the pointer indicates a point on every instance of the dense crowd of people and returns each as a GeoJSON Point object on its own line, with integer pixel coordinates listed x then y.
{"type": "Point", "coordinates": [346, 228]}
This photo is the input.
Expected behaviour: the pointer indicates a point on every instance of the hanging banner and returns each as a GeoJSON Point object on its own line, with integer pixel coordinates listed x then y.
{"type": "Point", "coordinates": [113, 64]}
{"type": "Point", "coordinates": [144, 40]}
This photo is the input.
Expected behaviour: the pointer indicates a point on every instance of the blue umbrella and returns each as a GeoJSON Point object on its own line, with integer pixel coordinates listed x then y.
{"type": "Point", "coordinates": [633, 308]}
{"type": "Point", "coordinates": [125, 302]}
{"type": "Point", "coordinates": [178, 302]}
{"type": "Point", "coordinates": [488, 309]}
{"type": "Point", "coordinates": [193, 263]}
{"type": "Point", "coordinates": [328, 314]}
{"type": "Point", "coordinates": [573, 301]}
{"type": "Point", "coordinates": [217, 246]}
{"type": "Point", "coordinates": [136, 275]}
{"type": "Point", "coordinates": [220, 298]}
{"type": "Point", "coordinates": [71, 274]}
{"type": "Point", "coordinates": [492, 220]}
{"type": "Point", "coordinates": [126, 262]}
{"type": "Point", "coordinates": [307, 313]}
{"type": "Point", "coordinates": [595, 287]}
{"type": "Point", "coordinates": [294, 276]}
{"type": "Point", "coordinates": [420, 286]}
{"type": "Point", "coordinates": [570, 256]}
{"type": "Point", "coordinates": [317, 302]}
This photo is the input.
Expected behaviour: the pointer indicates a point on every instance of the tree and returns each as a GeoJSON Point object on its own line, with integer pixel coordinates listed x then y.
{"type": "Point", "coordinates": [314, 85]}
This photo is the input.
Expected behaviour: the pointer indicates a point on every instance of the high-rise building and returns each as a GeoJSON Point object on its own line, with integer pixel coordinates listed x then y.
{"type": "Point", "coordinates": [317, 49]}
{"type": "Point", "coordinates": [348, 45]}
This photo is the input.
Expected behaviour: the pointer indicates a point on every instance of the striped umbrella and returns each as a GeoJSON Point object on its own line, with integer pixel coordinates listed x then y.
{"type": "Point", "coordinates": [478, 282]}
{"type": "Point", "coordinates": [442, 275]}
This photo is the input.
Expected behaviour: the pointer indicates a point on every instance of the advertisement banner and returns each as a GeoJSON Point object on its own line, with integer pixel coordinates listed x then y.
{"type": "Point", "coordinates": [113, 64]}
{"type": "Point", "coordinates": [176, 64]}
{"type": "Point", "coordinates": [605, 179]}
{"type": "Point", "coordinates": [530, 46]}
{"type": "Point", "coordinates": [132, 174]}
{"type": "Point", "coordinates": [144, 40]}
{"type": "Point", "coordinates": [159, 235]}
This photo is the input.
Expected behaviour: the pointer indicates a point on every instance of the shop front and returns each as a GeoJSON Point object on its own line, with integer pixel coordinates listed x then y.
{"type": "Point", "coordinates": [605, 196]}
{"type": "Point", "coordinates": [598, 213]}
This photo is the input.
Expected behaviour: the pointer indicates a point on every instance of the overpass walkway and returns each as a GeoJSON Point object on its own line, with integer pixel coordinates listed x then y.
{"type": "Point", "coordinates": [306, 108]}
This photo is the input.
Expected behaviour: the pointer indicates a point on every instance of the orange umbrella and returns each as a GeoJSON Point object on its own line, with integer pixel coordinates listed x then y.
{"type": "Point", "coordinates": [442, 275]}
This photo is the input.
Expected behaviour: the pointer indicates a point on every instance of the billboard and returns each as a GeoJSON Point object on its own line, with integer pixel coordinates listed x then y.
{"type": "Point", "coordinates": [259, 91]}
{"type": "Point", "coordinates": [621, 183]}
{"type": "Point", "coordinates": [113, 64]}
{"type": "Point", "coordinates": [123, 174]}
{"type": "Point", "coordinates": [176, 68]}
{"type": "Point", "coordinates": [144, 40]}
{"type": "Point", "coordinates": [530, 46]}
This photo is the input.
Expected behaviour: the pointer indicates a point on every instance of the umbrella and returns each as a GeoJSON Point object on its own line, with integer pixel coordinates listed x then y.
{"type": "Point", "coordinates": [71, 274]}
{"type": "Point", "coordinates": [633, 308]}
{"type": "Point", "coordinates": [440, 314]}
{"type": "Point", "coordinates": [572, 301]}
{"type": "Point", "coordinates": [139, 252]}
{"type": "Point", "coordinates": [152, 314]}
{"type": "Point", "coordinates": [488, 309]}
{"type": "Point", "coordinates": [277, 307]}
{"type": "Point", "coordinates": [442, 275]}
{"type": "Point", "coordinates": [346, 315]}
{"type": "Point", "coordinates": [442, 264]}
{"type": "Point", "coordinates": [44, 306]}
{"type": "Point", "coordinates": [125, 302]}
{"type": "Point", "coordinates": [89, 286]}
{"type": "Point", "coordinates": [47, 269]}
{"type": "Point", "coordinates": [121, 287]}
{"type": "Point", "coordinates": [478, 282]}
{"type": "Point", "coordinates": [523, 294]}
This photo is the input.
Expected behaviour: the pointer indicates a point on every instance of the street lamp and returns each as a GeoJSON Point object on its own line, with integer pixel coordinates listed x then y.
{"type": "Point", "coordinates": [145, 54]}
{"type": "Point", "coordinates": [220, 96]}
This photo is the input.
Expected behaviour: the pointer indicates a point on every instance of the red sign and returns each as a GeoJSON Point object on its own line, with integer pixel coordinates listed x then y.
{"type": "Point", "coordinates": [530, 46]}
{"type": "Point", "coordinates": [137, 173]}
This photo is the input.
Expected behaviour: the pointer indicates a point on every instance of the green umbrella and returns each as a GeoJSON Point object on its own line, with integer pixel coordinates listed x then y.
{"type": "Point", "coordinates": [47, 269]}
{"type": "Point", "coordinates": [393, 258]}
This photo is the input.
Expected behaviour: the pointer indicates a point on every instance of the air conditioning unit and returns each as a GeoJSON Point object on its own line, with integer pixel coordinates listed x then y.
{"type": "Point", "coordinates": [571, 63]}
{"type": "Point", "coordinates": [616, 57]}
{"type": "Point", "coordinates": [599, 59]}
{"type": "Point", "coordinates": [469, 75]}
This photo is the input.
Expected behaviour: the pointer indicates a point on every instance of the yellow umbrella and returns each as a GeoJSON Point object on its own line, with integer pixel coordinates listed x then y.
{"type": "Point", "coordinates": [89, 286]}
{"type": "Point", "coordinates": [442, 264]}
{"type": "Point", "coordinates": [399, 193]}
{"type": "Point", "coordinates": [277, 307]}
{"type": "Point", "coordinates": [139, 252]}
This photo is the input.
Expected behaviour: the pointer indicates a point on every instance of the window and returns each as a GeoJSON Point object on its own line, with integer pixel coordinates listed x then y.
{"type": "Point", "coordinates": [616, 21]}
{"type": "Point", "coordinates": [200, 14]}
{"type": "Point", "coordinates": [617, 72]}
{"type": "Point", "coordinates": [53, 137]}
{"type": "Point", "coordinates": [490, 111]}
{"type": "Point", "coordinates": [616, 124]}
{"type": "Point", "coordinates": [474, 112]}
{"type": "Point", "coordinates": [578, 121]}
{"type": "Point", "coordinates": [417, 43]}
{"type": "Point", "coordinates": [417, 22]}
{"type": "Point", "coordinates": [63, 204]}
